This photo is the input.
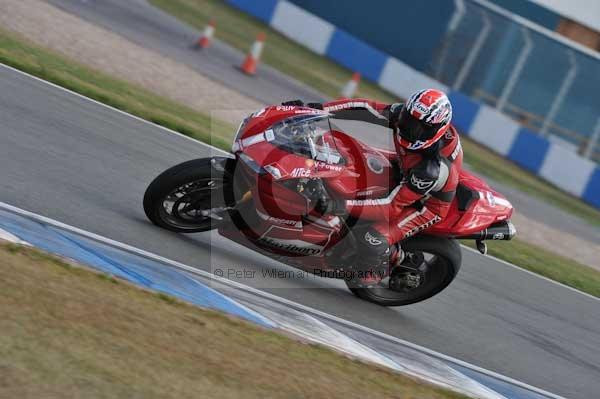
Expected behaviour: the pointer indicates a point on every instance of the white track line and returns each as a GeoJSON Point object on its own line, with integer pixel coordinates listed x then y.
{"type": "Point", "coordinates": [269, 296]}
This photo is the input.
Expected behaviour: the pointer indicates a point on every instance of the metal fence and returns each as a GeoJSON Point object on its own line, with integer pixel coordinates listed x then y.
{"type": "Point", "coordinates": [546, 82]}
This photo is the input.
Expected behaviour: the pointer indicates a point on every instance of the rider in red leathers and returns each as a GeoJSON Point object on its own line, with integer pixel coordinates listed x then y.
{"type": "Point", "coordinates": [430, 157]}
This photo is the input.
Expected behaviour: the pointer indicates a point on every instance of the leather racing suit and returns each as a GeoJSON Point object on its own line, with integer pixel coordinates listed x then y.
{"type": "Point", "coordinates": [421, 199]}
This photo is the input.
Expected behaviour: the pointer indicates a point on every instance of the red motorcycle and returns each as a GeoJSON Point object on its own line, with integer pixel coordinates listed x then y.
{"type": "Point", "coordinates": [286, 162]}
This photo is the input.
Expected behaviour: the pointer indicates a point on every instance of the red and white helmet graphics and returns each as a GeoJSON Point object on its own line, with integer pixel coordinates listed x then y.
{"type": "Point", "coordinates": [431, 107]}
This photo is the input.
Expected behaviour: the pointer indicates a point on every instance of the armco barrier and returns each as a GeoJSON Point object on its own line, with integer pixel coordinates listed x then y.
{"type": "Point", "coordinates": [555, 164]}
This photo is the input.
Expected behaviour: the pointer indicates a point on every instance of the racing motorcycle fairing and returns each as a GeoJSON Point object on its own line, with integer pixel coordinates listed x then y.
{"type": "Point", "coordinates": [290, 164]}
{"type": "Point", "coordinates": [297, 143]}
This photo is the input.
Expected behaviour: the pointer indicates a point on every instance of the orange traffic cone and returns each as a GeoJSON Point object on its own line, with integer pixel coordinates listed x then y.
{"type": "Point", "coordinates": [207, 35]}
{"type": "Point", "coordinates": [251, 61]}
{"type": "Point", "coordinates": [350, 87]}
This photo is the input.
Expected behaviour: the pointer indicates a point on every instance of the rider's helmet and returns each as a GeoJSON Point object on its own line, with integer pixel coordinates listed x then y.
{"type": "Point", "coordinates": [423, 120]}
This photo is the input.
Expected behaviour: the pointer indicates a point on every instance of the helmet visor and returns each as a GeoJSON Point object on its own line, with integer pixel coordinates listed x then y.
{"type": "Point", "coordinates": [412, 129]}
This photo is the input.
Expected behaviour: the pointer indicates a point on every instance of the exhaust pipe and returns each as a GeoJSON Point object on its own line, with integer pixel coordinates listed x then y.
{"type": "Point", "coordinates": [499, 231]}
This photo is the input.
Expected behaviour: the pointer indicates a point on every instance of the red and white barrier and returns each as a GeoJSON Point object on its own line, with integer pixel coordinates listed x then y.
{"type": "Point", "coordinates": [252, 59]}
{"type": "Point", "coordinates": [350, 88]}
{"type": "Point", "coordinates": [207, 35]}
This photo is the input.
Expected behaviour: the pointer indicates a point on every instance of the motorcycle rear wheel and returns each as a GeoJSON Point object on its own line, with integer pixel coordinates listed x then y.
{"type": "Point", "coordinates": [444, 262]}
{"type": "Point", "coordinates": [177, 198]}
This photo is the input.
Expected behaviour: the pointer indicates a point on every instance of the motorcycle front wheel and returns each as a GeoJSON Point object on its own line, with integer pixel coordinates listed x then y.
{"type": "Point", "coordinates": [189, 197]}
{"type": "Point", "coordinates": [430, 265]}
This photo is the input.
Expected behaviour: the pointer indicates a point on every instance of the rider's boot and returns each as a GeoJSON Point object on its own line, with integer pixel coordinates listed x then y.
{"type": "Point", "coordinates": [375, 255]}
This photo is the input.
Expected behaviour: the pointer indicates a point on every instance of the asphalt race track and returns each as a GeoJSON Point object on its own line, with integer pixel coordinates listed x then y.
{"type": "Point", "coordinates": [149, 27]}
{"type": "Point", "coordinates": [70, 159]}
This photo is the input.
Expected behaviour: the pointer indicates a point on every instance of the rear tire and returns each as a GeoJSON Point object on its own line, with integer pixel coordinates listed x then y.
{"type": "Point", "coordinates": [442, 270]}
{"type": "Point", "coordinates": [195, 173]}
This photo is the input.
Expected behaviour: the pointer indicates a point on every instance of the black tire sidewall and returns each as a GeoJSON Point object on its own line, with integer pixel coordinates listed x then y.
{"type": "Point", "coordinates": [173, 178]}
{"type": "Point", "coordinates": [441, 246]}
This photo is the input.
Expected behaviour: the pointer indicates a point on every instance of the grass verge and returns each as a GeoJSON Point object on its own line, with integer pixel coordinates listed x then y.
{"type": "Point", "coordinates": [23, 55]}
{"type": "Point", "coordinates": [70, 332]}
{"type": "Point", "coordinates": [546, 263]}
{"type": "Point", "coordinates": [239, 29]}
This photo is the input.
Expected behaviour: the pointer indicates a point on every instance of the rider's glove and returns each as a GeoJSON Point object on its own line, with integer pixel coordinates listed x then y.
{"type": "Point", "coordinates": [395, 110]}
{"type": "Point", "coordinates": [315, 105]}
{"type": "Point", "coordinates": [296, 103]}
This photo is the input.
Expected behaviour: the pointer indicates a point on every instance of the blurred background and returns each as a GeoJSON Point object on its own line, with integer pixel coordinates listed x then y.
{"type": "Point", "coordinates": [535, 61]}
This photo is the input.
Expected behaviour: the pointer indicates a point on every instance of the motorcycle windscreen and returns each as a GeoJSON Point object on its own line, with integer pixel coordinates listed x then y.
{"type": "Point", "coordinates": [309, 136]}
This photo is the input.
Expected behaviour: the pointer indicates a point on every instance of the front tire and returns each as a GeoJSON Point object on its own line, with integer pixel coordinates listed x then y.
{"type": "Point", "coordinates": [442, 267]}
{"type": "Point", "coordinates": [177, 198]}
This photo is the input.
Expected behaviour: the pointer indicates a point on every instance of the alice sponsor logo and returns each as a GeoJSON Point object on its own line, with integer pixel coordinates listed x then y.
{"type": "Point", "coordinates": [300, 172]}
{"type": "Point", "coordinates": [285, 108]}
